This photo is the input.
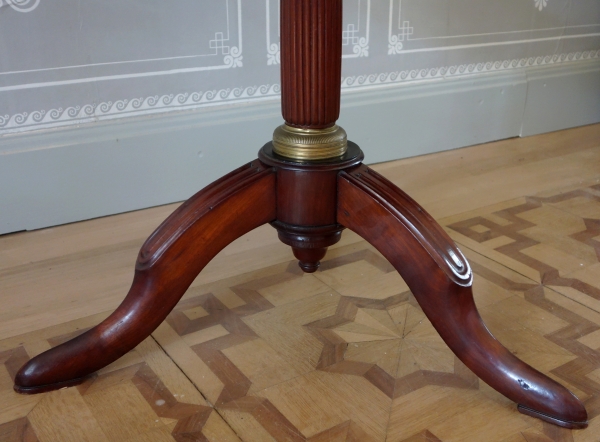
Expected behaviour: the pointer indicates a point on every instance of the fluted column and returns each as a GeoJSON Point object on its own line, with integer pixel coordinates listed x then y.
{"type": "Point", "coordinates": [311, 62]}
{"type": "Point", "coordinates": [311, 72]}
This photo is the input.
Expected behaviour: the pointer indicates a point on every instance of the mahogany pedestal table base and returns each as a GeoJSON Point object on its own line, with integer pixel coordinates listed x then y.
{"type": "Point", "coordinates": [310, 184]}
{"type": "Point", "coordinates": [260, 192]}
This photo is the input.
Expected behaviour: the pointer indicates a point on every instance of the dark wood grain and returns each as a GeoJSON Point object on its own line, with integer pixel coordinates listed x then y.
{"type": "Point", "coordinates": [306, 203]}
{"type": "Point", "coordinates": [306, 198]}
{"type": "Point", "coordinates": [311, 62]}
{"type": "Point", "coordinates": [167, 264]}
{"type": "Point", "coordinates": [440, 278]}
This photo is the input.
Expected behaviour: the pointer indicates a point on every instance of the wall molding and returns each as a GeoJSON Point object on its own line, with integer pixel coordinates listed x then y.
{"type": "Point", "coordinates": [464, 69]}
{"type": "Point", "coordinates": [68, 174]}
{"type": "Point", "coordinates": [225, 50]}
{"type": "Point", "coordinates": [401, 30]}
{"type": "Point", "coordinates": [128, 107]}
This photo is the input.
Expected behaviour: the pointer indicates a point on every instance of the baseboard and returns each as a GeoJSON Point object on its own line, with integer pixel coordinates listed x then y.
{"type": "Point", "coordinates": [70, 174]}
{"type": "Point", "coordinates": [566, 96]}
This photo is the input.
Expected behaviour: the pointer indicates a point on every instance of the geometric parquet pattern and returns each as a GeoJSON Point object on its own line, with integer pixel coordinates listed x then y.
{"type": "Point", "coordinates": [344, 354]}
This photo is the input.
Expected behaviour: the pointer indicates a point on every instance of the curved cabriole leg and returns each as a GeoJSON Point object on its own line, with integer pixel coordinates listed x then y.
{"type": "Point", "coordinates": [440, 278]}
{"type": "Point", "coordinates": [167, 264]}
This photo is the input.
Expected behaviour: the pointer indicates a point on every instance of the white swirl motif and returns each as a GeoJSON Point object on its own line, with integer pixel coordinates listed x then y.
{"type": "Point", "coordinates": [21, 118]}
{"type": "Point", "coordinates": [273, 54]}
{"type": "Point", "coordinates": [88, 109]}
{"type": "Point", "coordinates": [37, 116]}
{"type": "Point", "coordinates": [121, 105]}
{"type": "Point", "coordinates": [55, 113]}
{"type": "Point", "coordinates": [72, 112]}
{"type": "Point", "coordinates": [234, 59]}
{"type": "Point", "coordinates": [105, 107]}
{"type": "Point", "coordinates": [541, 4]}
{"type": "Point", "coordinates": [362, 48]}
{"type": "Point", "coordinates": [196, 97]}
{"type": "Point", "coordinates": [394, 45]}
{"type": "Point", "coordinates": [21, 5]}
{"type": "Point", "coordinates": [224, 93]}
{"type": "Point", "coordinates": [136, 103]}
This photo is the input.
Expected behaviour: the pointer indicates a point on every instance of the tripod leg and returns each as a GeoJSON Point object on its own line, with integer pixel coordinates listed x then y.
{"type": "Point", "coordinates": [167, 264]}
{"type": "Point", "coordinates": [440, 278]}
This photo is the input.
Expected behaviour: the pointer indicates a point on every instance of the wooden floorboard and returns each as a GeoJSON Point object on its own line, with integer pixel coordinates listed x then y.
{"type": "Point", "coordinates": [239, 356]}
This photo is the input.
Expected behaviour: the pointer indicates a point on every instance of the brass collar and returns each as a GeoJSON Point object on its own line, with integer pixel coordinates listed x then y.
{"type": "Point", "coordinates": [310, 144]}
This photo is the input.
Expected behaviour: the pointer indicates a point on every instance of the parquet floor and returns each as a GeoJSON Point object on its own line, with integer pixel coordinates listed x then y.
{"type": "Point", "coordinates": [250, 351]}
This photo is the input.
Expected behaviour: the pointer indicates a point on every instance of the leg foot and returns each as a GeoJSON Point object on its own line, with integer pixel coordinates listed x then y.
{"type": "Point", "coordinates": [49, 387]}
{"type": "Point", "coordinates": [167, 264]}
{"type": "Point", "coordinates": [440, 278]}
{"type": "Point", "coordinates": [552, 420]}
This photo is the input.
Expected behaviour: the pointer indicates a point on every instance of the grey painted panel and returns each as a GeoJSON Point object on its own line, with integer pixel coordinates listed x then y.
{"type": "Point", "coordinates": [562, 98]}
{"type": "Point", "coordinates": [75, 174]}
{"type": "Point", "coordinates": [59, 176]}
{"type": "Point", "coordinates": [403, 122]}
{"type": "Point", "coordinates": [72, 62]}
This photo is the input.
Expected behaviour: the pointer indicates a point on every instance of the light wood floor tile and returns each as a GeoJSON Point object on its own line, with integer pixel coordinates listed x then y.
{"type": "Point", "coordinates": [319, 401]}
{"type": "Point", "coordinates": [262, 365]}
{"type": "Point", "coordinates": [216, 430]}
{"type": "Point", "coordinates": [244, 423]}
{"type": "Point", "coordinates": [592, 340]}
{"type": "Point", "coordinates": [14, 407]}
{"type": "Point", "coordinates": [64, 415]}
{"type": "Point", "coordinates": [431, 405]}
{"type": "Point", "coordinates": [477, 423]}
{"type": "Point", "coordinates": [362, 280]}
{"type": "Point", "coordinates": [195, 369]}
{"type": "Point", "coordinates": [122, 412]}
{"type": "Point", "coordinates": [590, 434]}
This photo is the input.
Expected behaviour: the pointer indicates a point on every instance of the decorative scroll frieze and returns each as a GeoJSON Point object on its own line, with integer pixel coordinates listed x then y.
{"type": "Point", "coordinates": [155, 104]}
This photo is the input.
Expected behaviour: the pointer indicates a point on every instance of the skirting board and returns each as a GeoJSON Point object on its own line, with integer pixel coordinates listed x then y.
{"type": "Point", "coordinates": [70, 174]}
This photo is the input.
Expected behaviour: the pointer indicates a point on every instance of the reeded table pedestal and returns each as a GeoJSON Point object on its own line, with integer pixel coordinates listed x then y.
{"type": "Point", "coordinates": [310, 184]}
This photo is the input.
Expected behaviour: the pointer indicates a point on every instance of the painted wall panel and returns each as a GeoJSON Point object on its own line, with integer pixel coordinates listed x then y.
{"type": "Point", "coordinates": [118, 105]}
{"type": "Point", "coordinates": [78, 61]}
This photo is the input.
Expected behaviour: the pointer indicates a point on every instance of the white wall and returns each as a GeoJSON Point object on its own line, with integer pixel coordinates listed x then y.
{"type": "Point", "coordinates": [105, 106]}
